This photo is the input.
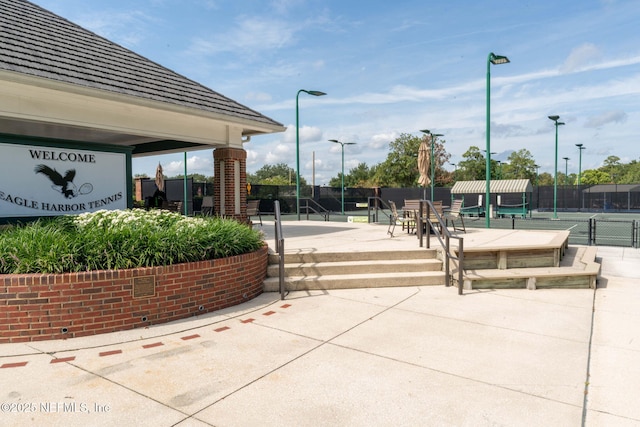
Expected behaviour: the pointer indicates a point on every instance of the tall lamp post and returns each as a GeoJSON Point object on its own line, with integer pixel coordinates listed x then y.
{"type": "Point", "coordinates": [314, 93]}
{"type": "Point", "coordinates": [580, 148]}
{"type": "Point", "coordinates": [566, 182]}
{"type": "Point", "coordinates": [342, 144]}
{"type": "Point", "coordinates": [433, 160]}
{"type": "Point", "coordinates": [537, 183]}
{"type": "Point", "coordinates": [495, 60]}
{"type": "Point", "coordinates": [555, 179]}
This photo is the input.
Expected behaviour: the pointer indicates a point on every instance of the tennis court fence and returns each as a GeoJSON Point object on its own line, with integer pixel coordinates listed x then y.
{"type": "Point", "coordinates": [588, 231]}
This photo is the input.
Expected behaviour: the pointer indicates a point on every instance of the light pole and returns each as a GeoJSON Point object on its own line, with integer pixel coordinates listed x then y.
{"type": "Point", "coordinates": [433, 160]}
{"type": "Point", "coordinates": [495, 60]}
{"type": "Point", "coordinates": [566, 182]}
{"type": "Point", "coordinates": [555, 179]}
{"type": "Point", "coordinates": [580, 148]}
{"type": "Point", "coordinates": [342, 144]}
{"type": "Point", "coordinates": [314, 93]}
{"type": "Point", "coordinates": [537, 184]}
{"type": "Point", "coordinates": [485, 154]}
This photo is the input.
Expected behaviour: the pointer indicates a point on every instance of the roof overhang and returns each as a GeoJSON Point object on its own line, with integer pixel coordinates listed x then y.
{"type": "Point", "coordinates": [35, 106]}
{"type": "Point", "coordinates": [496, 186]}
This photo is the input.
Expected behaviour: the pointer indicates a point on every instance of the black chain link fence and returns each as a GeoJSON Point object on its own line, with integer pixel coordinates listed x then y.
{"type": "Point", "coordinates": [569, 199]}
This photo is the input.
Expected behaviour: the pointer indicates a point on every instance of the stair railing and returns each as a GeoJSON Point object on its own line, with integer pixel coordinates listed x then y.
{"type": "Point", "coordinates": [438, 227]}
{"type": "Point", "coordinates": [279, 238]}
{"type": "Point", "coordinates": [315, 207]}
{"type": "Point", "coordinates": [376, 205]}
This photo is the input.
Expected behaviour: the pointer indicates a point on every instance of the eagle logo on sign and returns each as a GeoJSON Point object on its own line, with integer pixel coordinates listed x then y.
{"type": "Point", "coordinates": [64, 184]}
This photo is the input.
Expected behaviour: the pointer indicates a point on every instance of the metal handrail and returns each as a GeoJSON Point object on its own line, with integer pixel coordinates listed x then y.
{"type": "Point", "coordinates": [441, 227]}
{"type": "Point", "coordinates": [378, 202]}
{"type": "Point", "coordinates": [279, 238]}
{"type": "Point", "coordinates": [320, 211]}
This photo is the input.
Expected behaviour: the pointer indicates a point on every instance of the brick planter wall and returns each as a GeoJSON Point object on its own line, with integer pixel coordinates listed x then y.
{"type": "Point", "coordinates": [37, 307]}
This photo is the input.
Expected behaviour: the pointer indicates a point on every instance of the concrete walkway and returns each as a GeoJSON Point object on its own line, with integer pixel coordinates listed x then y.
{"type": "Point", "coordinates": [410, 356]}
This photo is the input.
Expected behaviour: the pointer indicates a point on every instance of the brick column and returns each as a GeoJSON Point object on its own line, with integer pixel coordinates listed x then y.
{"type": "Point", "coordinates": [230, 182]}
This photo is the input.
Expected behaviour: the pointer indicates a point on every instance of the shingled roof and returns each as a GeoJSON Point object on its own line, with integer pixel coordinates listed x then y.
{"type": "Point", "coordinates": [36, 42]}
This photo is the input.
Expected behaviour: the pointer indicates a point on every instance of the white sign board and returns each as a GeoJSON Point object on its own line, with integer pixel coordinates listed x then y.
{"type": "Point", "coordinates": [47, 181]}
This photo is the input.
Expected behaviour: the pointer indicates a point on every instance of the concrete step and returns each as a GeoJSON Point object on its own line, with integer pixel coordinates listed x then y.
{"type": "Point", "coordinates": [356, 267]}
{"type": "Point", "coordinates": [350, 281]}
{"type": "Point", "coordinates": [373, 255]}
{"type": "Point", "coordinates": [578, 269]}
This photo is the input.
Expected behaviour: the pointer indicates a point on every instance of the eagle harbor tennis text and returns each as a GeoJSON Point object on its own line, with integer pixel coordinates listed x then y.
{"type": "Point", "coordinates": [62, 156]}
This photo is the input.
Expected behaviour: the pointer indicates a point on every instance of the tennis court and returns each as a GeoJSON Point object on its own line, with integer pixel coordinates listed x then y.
{"type": "Point", "coordinates": [587, 228]}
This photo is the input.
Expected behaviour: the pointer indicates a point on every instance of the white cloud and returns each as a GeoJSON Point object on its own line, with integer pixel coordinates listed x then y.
{"type": "Point", "coordinates": [258, 96]}
{"type": "Point", "coordinates": [128, 28]}
{"type": "Point", "coordinates": [581, 57]}
{"type": "Point", "coordinates": [248, 35]}
{"type": "Point", "coordinates": [306, 134]}
{"type": "Point", "coordinates": [604, 118]}
{"type": "Point", "coordinates": [382, 140]}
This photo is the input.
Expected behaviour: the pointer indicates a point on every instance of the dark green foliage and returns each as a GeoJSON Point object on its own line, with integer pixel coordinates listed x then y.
{"type": "Point", "coordinates": [120, 239]}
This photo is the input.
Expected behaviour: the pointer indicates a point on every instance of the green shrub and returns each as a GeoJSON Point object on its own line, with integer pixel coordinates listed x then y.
{"type": "Point", "coordinates": [107, 240]}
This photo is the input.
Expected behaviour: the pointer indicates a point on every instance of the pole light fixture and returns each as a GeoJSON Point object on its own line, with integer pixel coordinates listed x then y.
{"type": "Point", "coordinates": [555, 179]}
{"type": "Point", "coordinates": [566, 170]}
{"type": "Point", "coordinates": [580, 148]}
{"type": "Point", "coordinates": [313, 93]}
{"type": "Point", "coordinates": [342, 187]}
{"type": "Point", "coordinates": [495, 60]}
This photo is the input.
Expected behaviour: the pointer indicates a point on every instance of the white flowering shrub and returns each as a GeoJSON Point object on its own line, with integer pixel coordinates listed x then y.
{"type": "Point", "coordinates": [121, 239]}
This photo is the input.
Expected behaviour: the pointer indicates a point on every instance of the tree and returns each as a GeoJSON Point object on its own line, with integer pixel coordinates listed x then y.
{"type": "Point", "coordinates": [595, 176]}
{"type": "Point", "coordinates": [545, 178]}
{"type": "Point", "coordinates": [358, 177]}
{"type": "Point", "coordinates": [474, 165]}
{"type": "Point", "coordinates": [521, 166]}
{"type": "Point", "coordinates": [400, 169]}
{"type": "Point", "coordinates": [278, 174]}
{"type": "Point", "coordinates": [630, 173]}
{"type": "Point", "coordinates": [197, 177]}
{"type": "Point", "coordinates": [612, 167]}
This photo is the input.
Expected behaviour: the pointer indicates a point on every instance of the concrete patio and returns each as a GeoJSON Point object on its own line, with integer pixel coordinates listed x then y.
{"type": "Point", "coordinates": [420, 355]}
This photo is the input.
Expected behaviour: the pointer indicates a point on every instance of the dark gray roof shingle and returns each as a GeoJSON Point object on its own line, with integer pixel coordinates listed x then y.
{"type": "Point", "coordinates": [37, 42]}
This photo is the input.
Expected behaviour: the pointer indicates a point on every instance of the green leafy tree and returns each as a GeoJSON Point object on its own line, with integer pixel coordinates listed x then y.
{"type": "Point", "coordinates": [197, 177]}
{"type": "Point", "coordinates": [473, 166]}
{"type": "Point", "coordinates": [521, 166]}
{"type": "Point", "coordinates": [278, 174]}
{"type": "Point", "coordinates": [400, 169]}
{"type": "Point", "coordinates": [630, 173]}
{"type": "Point", "coordinates": [545, 178]}
{"type": "Point", "coordinates": [613, 168]}
{"type": "Point", "coordinates": [358, 177]}
{"type": "Point", "coordinates": [595, 176]}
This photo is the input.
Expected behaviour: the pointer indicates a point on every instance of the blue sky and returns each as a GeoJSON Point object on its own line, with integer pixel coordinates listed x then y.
{"type": "Point", "coordinates": [396, 67]}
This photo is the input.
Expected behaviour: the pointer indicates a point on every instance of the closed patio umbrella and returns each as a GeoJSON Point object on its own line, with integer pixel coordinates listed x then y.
{"type": "Point", "coordinates": [159, 178]}
{"type": "Point", "coordinates": [424, 160]}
